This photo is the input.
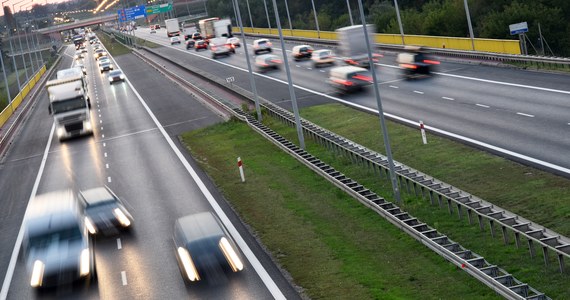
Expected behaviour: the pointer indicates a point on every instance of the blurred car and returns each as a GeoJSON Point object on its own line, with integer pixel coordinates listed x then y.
{"type": "Point", "coordinates": [302, 52]}
{"type": "Point", "coordinates": [196, 36]}
{"type": "Point", "coordinates": [103, 60]}
{"type": "Point", "coordinates": [82, 67]}
{"type": "Point", "coordinates": [174, 40]}
{"type": "Point", "coordinates": [234, 41]}
{"type": "Point", "coordinates": [152, 27]}
{"type": "Point", "coordinates": [415, 62]}
{"type": "Point", "coordinates": [99, 53]}
{"type": "Point", "coordinates": [84, 50]}
{"type": "Point", "coordinates": [362, 60]}
{"type": "Point", "coordinates": [204, 249]}
{"type": "Point", "coordinates": [116, 75]}
{"type": "Point", "coordinates": [201, 44]}
{"type": "Point", "coordinates": [152, 30]}
{"type": "Point", "coordinates": [190, 44]}
{"type": "Point", "coordinates": [56, 244]}
{"type": "Point", "coordinates": [322, 57]}
{"type": "Point", "coordinates": [104, 212]}
{"type": "Point", "coordinates": [105, 66]}
{"type": "Point", "coordinates": [78, 55]}
{"type": "Point", "coordinates": [261, 45]}
{"type": "Point", "coordinates": [349, 78]}
{"type": "Point", "coordinates": [157, 26]}
{"type": "Point", "coordinates": [218, 47]}
{"type": "Point", "coordinates": [267, 62]}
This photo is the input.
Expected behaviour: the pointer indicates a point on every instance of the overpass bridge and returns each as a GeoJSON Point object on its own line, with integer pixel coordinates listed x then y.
{"type": "Point", "coordinates": [78, 24]}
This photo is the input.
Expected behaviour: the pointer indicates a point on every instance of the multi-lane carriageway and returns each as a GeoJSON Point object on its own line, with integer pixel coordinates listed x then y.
{"type": "Point", "coordinates": [134, 151]}
{"type": "Point", "coordinates": [522, 114]}
{"type": "Point", "coordinates": [141, 159]}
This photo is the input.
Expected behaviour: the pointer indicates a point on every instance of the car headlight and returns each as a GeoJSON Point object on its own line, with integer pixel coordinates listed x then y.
{"type": "Point", "coordinates": [231, 255]}
{"type": "Point", "coordinates": [90, 226]}
{"type": "Point", "coordinates": [122, 76]}
{"type": "Point", "coordinates": [60, 131]}
{"type": "Point", "coordinates": [188, 264]}
{"type": "Point", "coordinates": [84, 262]}
{"type": "Point", "coordinates": [87, 125]}
{"type": "Point", "coordinates": [37, 273]}
{"type": "Point", "coordinates": [121, 217]}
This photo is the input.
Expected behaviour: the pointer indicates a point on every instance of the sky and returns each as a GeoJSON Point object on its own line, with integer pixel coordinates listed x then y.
{"type": "Point", "coordinates": [32, 2]}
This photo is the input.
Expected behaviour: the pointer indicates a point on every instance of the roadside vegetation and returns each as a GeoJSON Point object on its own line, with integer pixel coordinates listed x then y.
{"type": "Point", "coordinates": [113, 46]}
{"type": "Point", "coordinates": [270, 174]}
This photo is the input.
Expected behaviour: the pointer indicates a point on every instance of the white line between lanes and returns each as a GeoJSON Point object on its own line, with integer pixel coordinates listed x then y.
{"type": "Point", "coordinates": [261, 272]}
{"type": "Point", "coordinates": [14, 258]}
{"type": "Point", "coordinates": [482, 105]}
{"type": "Point", "coordinates": [414, 123]}
{"type": "Point", "coordinates": [447, 98]}
{"type": "Point", "coordinates": [124, 277]}
{"type": "Point", "coordinates": [119, 246]}
{"type": "Point", "coordinates": [525, 115]}
{"type": "Point", "coordinates": [418, 92]}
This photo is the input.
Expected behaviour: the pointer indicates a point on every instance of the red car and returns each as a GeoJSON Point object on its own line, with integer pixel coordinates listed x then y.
{"type": "Point", "coordinates": [200, 45]}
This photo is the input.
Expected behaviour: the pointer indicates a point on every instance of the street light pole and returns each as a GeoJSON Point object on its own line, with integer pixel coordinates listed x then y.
{"type": "Point", "coordinates": [267, 14]}
{"type": "Point", "coordinates": [469, 24]}
{"type": "Point", "coordinates": [289, 80]}
{"type": "Point", "coordinates": [349, 13]}
{"type": "Point", "coordinates": [393, 179]}
{"type": "Point", "coordinates": [249, 12]}
{"type": "Point", "coordinates": [399, 21]}
{"type": "Point", "coordinates": [316, 19]}
{"type": "Point", "coordinates": [289, 17]}
{"type": "Point", "coordinates": [5, 78]}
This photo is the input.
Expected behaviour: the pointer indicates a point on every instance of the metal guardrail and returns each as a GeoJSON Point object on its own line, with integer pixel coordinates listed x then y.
{"type": "Point", "coordinates": [539, 61]}
{"type": "Point", "coordinates": [496, 278]}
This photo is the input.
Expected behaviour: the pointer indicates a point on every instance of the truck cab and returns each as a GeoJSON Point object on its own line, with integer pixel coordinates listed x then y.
{"type": "Point", "coordinates": [70, 107]}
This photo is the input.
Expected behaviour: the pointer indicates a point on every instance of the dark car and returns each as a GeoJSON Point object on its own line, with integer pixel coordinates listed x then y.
{"type": "Point", "coordinates": [200, 45]}
{"type": "Point", "coordinates": [196, 36]}
{"type": "Point", "coordinates": [104, 212]}
{"type": "Point", "coordinates": [190, 44]}
{"type": "Point", "coordinates": [203, 248]}
{"type": "Point", "coordinates": [116, 75]}
{"type": "Point", "coordinates": [56, 245]}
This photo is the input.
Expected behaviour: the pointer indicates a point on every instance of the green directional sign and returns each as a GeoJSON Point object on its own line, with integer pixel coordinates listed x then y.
{"type": "Point", "coordinates": [159, 8]}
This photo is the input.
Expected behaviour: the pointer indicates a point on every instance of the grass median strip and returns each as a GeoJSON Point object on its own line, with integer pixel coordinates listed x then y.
{"type": "Point", "coordinates": [536, 195]}
{"type": "Point", "coordinates": [112, 45]}
{"type": "Point", "coordinates": [332, 246]}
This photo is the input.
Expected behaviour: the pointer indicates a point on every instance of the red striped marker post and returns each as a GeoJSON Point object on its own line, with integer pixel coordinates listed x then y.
{"type": "Point", "coordinates": [240, 166]}
{"type": "Point", "coordinates": [424, 138]}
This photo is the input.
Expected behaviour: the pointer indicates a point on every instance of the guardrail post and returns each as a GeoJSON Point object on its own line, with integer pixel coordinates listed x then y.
{"type": "Point", "coordinates": [517, 240]}
{"type": "Point", "coordinates": [469, 216]}
{"type": "Point", "coordinates": [431, 197]}
{"type": "Point", "coordinates": [449, 207]}
{"type": "Point", "coordinates": [415, 189]}
{"type": "Point", "coordinates": [459, 211]}
{"type": "Point", "coordinates": [439, 200]}
{"type": "Point", "coordinates": [505, 235]}
{"type": "Point", "coordinates": [561, 262]}
{"type": "Point", "coordinates": [408, 185]}
{"type": "Point", "coordinates": [481, 224]}
{"type": "Point", "coordinates": [545, 255]}
{"type": "Point", "coordinates": [492, 227]}
{"type": "Point", "coordinates": [531, 248]}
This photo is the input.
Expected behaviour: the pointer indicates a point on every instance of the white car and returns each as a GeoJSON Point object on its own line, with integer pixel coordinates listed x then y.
{"type": "Point", "coordinates": [174, 40]}
{"type": "Point", "coordinates": [322, 57]}
{"type": "Point", "coordinates": [234, 41]}
{"type": "Point", "coordinates": [261, 45]}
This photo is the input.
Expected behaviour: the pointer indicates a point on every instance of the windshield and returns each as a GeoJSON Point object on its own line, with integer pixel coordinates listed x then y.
{"type": "Point", "coordinates": [44, 239]}
{"type": "Point", "coordinates": [68, 105]}
{"type": "Point", "coordinates": [115, 73]}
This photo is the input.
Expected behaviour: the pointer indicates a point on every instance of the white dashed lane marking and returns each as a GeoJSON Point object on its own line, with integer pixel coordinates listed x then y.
{"type": "Point", "coordinates": [109, 179]}
{"type": "Point", "coordinates": [482, 105]}
{"type": "Point", "coordinates": [419, 92]}
{"type": "Point", "coordinates": [105, 154]}
{"type": "Point", "coordinates": [394, 87]}
{"type": "Point", "coordinates": [525, 115]}
{"type": "Point", "coordinates": [447, 98]}
{"type": "Point", "coordinates": [119, 246]}
{"type": "Point", "coordinates": [124, 277]}
{"type": "Point", "coordinates": [106, 166]}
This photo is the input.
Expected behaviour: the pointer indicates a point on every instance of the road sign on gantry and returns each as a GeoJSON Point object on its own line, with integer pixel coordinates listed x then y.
{"type": "Point", "coordinates": [132, 13]}
{"type": "Point", "coordinates": [159, 8]}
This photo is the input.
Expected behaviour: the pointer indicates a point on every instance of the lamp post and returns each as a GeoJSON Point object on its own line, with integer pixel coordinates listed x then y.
{"type": "Point", "coordinates": [316, 19]}
{"type": "Point", "coordinates": [27, 41]}
{"type": "Point", "coordinates": [289, 17]}
{"type": "Point", "coordinates": [9, 29]}
{"type": "Point", "coordinates": [399, 21]}
{"type": "Point", "coordinates": [20, 40]}
{"type": "Point", "coordinates": [349, 13]}
{"type": "Point", "coordinates": [469, 24]}
{"type": "Point", "coordinates": [267, 14]}
{"type": "Point", "coordinates": [249, 12]}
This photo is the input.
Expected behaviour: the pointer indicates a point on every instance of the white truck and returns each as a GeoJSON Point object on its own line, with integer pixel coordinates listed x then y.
{"type": "Point", "coordinates": [352, 45]}
{"type": "Point", "coordinates": [172, 27]}
{"type": "Point", "coordinates": [223, 28]}
{"type": "Point", "coordinates": [70, 107]}
{"type": "Point", "coordinates": [215, 28]}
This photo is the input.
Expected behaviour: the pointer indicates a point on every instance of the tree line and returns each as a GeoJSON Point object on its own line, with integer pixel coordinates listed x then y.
{"type": "Point", "coordinates": [490, 18]}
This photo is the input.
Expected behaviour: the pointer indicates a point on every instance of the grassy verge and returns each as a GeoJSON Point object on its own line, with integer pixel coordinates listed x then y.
{"type": "Point", "coordinates": [332, 246]}
{"type": "Point", "coordinates": [539, 196]}
{"type": "Point", "coordinates": [113, 46]}
{"type": "Point", "coordinates": [537, 66]}
{"type": "Point", "coordinates": [145, 43]}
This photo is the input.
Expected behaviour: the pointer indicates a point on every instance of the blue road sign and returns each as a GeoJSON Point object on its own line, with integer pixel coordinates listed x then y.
{"type": "Point", "coordinates": [132, 13]}
{"type": "Point", "coordinates": [518, 28]}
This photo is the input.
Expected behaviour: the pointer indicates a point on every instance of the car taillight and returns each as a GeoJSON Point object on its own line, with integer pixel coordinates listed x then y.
{"type": "Point", "coordinates": [277, 61]}
{"type": "Point", "coordinates": [408, 66]}
{"type": "Point", "coordinates": [213, 48]}
{"type": "Point", "coordinates": [362, 77]}
{"type": "Point", "coordinates": [431, 62]}
{"type": "Point", "coordinates": [343, 82]}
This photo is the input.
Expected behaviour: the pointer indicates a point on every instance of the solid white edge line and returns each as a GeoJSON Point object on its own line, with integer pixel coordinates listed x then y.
{"type": "Point", "coordinates": [124, 277]}
{"type": "Point", "coordinates": [261, 272]}
{"type": "Point", "coordinates": [14, 258]}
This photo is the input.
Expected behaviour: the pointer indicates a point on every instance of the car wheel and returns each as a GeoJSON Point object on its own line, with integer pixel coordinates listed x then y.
{"type": "Point", "coordinates": [269, 50]}
{"type": "Point", "coordinates": [255, 52]}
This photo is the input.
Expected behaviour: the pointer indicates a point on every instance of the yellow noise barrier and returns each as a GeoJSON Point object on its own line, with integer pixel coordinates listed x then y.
{"type": "Point", "coordinates": [9, 110]}
{"type": "Point", "coordinates": [483, 45]}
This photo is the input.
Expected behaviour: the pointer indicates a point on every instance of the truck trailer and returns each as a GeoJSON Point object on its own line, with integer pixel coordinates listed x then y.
{"type": "Point", "coordinates": [352, 45]}
{"type": "Point", "coordinates": [172, 27]}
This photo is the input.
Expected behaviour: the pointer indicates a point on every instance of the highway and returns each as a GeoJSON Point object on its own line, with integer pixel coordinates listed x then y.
{"type": "Point", "coordinates": [134, 151]}
{"type": "Point", "coordinates": [522, 114]}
